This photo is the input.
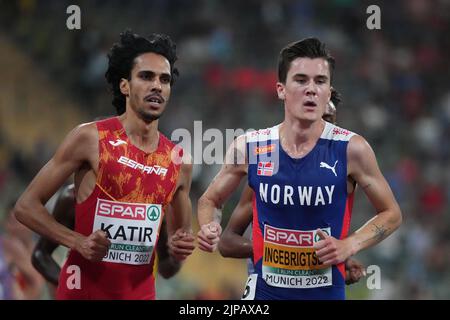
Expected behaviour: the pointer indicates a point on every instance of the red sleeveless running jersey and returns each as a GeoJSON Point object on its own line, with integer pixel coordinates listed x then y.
{"type": "Point", "coordinates": [131, 192]}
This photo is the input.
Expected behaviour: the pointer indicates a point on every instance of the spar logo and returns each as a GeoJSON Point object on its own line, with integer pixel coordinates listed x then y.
{"type": "Point", "coordinates": [153, 213]}
{"type": "Point", "coordinates": [288, 237]}
{"type": "Point", "coordinates": [317, 237]}
{"type": "Point", "coordinates": [128, 211]}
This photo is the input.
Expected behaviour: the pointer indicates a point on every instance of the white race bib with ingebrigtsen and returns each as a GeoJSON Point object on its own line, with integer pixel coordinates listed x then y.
{"type": "Point", "coordinates": [290, 261]}
{"type": "Point", "coordinates": [132, 229]}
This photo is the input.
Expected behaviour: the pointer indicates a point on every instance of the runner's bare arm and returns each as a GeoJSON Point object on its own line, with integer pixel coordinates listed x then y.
{"type": "Point", "coordinates": [365, 171]}
{"type": "Point", "coordinates": [79, 148]}
{"type": "Point", "coordinates": [179, 215]}
{"type": "Point", "coordinates": [232, 243]}
{"type": "Point", "coordinates": [181, 212]}
{"type": "Point", "coordinates": [220, 189]}
{"type": "Point", "coordinates": [167, 266]}
{"type": "Point", "coordinates": [64, 213]}
{"type": "Point", "coordinates": [363, 168]}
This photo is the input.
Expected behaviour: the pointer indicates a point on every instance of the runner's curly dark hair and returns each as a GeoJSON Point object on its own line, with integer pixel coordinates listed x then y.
{"type": "Point", "coordinates": [122, 59]}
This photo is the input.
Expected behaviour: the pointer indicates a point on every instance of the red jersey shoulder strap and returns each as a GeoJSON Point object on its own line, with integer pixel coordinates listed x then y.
{"type": "Point", "coordinates": [111, 124]}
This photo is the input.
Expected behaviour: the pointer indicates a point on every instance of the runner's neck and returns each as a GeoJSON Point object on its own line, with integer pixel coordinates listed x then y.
{"type": "Point", "coordinates": [141, 134]}
{"type": "Point", "coordinates": [296, 134]}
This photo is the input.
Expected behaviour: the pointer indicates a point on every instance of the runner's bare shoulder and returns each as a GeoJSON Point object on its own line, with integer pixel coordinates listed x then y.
{"type": "Point", "coordinates": [81, 142]}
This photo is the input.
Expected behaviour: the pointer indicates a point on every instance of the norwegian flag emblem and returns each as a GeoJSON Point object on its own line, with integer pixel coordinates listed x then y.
{"type": "Point", "coordinates": [265, 168]}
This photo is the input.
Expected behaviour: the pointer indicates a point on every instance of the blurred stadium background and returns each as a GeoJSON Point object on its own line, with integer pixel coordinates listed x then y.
{"type": "Point", "coordinates": [394, 83]}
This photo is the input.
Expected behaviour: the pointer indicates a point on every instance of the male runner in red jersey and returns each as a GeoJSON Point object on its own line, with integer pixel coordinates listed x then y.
{"type": "Point", "coordinates": [127, 174]}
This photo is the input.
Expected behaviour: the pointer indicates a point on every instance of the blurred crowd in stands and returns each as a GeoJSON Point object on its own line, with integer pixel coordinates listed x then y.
{"type": "Point", "coordinates": [394, 83]}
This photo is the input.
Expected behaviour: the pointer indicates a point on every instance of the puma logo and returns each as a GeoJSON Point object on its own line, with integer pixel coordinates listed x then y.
{"type": "Point", "coordinates": [327, 166]}
{"type": "Point", "coordinates": [116, 143]}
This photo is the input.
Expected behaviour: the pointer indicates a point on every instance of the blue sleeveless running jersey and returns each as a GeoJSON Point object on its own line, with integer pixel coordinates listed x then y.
{"type": "Point", "coordinates": [292, 199]}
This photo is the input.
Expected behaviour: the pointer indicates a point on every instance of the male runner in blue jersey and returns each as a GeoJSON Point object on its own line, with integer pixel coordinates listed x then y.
{"type": "Point", "coordinates": [235, 241]}
{"type": "Point", "coordinates": [303, 173]}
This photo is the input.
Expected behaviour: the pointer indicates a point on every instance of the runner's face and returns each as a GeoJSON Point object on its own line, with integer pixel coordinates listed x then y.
{"type": "Point", "coordinates": [307, 89]}
{"type": "Point", "coordinates": [149, 87]}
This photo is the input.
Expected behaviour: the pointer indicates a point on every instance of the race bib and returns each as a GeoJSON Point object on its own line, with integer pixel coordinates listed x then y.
{"type": "Point", "coordinates": [132, 229]}
{"type": "Point", "coordinates": [290, 261]}
{"type": "Point", "coordinates": [250, 287]}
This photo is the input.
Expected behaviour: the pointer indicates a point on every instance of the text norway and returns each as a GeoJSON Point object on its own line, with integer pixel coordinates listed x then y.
{"type": "Point", "coordinates": [305, 195]}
